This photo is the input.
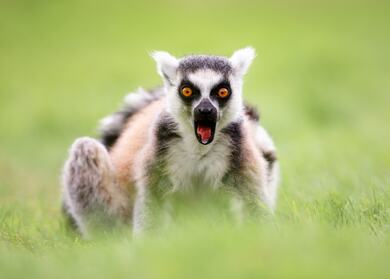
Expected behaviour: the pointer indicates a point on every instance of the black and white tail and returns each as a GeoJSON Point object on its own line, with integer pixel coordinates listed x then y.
{"type": "Point", "coordinates": [112, 125]}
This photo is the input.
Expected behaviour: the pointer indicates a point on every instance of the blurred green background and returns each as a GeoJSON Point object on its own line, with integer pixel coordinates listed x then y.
{"type": "Point", "coordinates": [321, 81]}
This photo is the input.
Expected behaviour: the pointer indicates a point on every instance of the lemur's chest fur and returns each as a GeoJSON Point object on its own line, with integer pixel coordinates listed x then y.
{"type": "Point", "coordinates": [187, 163]}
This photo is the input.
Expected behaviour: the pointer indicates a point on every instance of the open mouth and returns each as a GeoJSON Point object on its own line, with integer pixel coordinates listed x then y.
{"type": "Point", "coordinates": [204, 131]}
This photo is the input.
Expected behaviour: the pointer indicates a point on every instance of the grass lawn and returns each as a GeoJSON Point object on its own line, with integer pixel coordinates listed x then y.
{"type": "Point", "coordinates": [321, 80]}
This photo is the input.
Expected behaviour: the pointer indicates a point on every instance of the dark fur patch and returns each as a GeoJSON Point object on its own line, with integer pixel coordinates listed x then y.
{"type": "Point", "coordinates": [233, 130]}
{"type": "Point", "coordinates": [214, 93]}
{"type": "Point", "coordinates": [193, 63]}
{"type": "Point", "coordinates": [195, 92]}
{"type": "Point", "coordinates": [271, 158]}
{"type": "Point", "coordinates": [166, 131]}
{"type": "Point", "coordinates": [108, 139]}
{"type": "Point", "coordinates": [252, 113]}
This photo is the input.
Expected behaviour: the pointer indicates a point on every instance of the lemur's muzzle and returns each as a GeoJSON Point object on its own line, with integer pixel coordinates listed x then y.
{"type": "Point", "coordinates": [205, 120]}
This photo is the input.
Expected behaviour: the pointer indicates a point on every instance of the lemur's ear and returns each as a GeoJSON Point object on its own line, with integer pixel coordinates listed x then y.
{"type": "Point", "coordinates": [242, 59]}
{"type": "Point", "coordinates": [166, 65]}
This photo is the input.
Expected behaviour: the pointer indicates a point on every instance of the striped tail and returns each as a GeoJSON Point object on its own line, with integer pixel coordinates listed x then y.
{"type": "Point", "coordinates": [112, 125]}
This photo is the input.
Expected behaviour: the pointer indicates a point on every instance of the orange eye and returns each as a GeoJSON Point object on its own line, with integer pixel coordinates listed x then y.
{"type": "Point", "coordinates": [186, 92]}
{"type": "Point", "coordinates": [223, 92]}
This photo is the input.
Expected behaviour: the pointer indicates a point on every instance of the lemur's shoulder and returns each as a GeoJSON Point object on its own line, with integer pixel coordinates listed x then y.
{"type": "Point", "coordinates": [250, 143]}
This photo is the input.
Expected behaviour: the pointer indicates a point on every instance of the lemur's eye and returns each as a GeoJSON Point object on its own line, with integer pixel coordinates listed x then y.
{"type": "Point", "coordinates": [186, 91]}
{"type": "Point", "coordinates": [223, 92]}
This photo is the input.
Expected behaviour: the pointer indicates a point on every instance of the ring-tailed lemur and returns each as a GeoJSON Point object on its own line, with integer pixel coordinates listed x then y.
{"type": "Point", "coordinates": [195, 128]}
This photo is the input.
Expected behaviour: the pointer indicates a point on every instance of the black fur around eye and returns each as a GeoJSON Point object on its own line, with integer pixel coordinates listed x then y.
{"type": "Point", "coordinates": [188, 92]}
{"type": "Point", "coordinates": [221, 93]}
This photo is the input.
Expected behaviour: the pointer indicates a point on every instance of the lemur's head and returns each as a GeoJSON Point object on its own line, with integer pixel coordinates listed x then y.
{"type": "Point", "coordinates": [204, 92]}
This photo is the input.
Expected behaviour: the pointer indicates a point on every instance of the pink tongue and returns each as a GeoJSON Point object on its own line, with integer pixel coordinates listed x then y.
{"type": "Point", "coordinates": [204, 133]}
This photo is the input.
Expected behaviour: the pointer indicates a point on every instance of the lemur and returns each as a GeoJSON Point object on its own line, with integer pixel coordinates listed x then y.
{"type": "Point", "coordinates": [194, 131]}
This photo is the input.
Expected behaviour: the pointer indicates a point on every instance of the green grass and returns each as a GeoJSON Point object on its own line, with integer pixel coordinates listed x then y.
{"type": "Point", "coordinates": [321, 80]}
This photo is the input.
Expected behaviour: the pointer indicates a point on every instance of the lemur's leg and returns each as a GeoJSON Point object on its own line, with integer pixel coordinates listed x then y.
{"type": "Point", "coordinates": [141, 216]}
{"type": "Point", "coordinates": [150, 206]}
{"type": "Point", "coordinates": [248, 204]}
{"type": "Point", "coordinates": [90, 192]}
{"type": "Point", "coordinates": [147, 207]}
{"type": "Point", "coordinates": [251, 198]}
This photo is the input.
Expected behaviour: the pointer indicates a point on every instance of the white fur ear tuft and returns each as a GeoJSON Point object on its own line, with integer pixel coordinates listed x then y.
{"type": "Point", "coordinates": [242, 59]}
{"type": "Point", "coordinates": [166, 65]}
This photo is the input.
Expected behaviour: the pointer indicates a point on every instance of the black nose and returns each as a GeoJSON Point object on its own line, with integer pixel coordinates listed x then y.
{"type": "Point", "coordinates": [205, 107]}
{"type": "Point", "coordinates": [205, 111]}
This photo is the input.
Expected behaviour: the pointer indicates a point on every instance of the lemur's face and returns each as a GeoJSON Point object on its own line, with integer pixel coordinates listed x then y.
{"type": "Point", "coordinates": [203, 97]}
{"type": "Point", "coordinates": [204, 92]}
